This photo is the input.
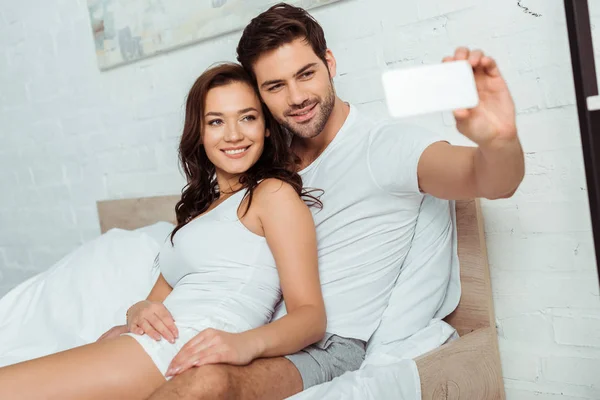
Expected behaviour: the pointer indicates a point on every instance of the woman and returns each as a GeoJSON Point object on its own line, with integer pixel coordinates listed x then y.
{"type": "Point", "coordinates": [244, 237]}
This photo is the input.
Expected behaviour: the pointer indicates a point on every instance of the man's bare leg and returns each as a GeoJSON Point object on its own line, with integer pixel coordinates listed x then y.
{"type": "Point", "coordinates": [264, 379]}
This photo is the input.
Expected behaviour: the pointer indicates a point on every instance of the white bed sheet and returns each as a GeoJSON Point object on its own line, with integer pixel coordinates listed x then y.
{"type": "Point", "coordinates": [77, 299]}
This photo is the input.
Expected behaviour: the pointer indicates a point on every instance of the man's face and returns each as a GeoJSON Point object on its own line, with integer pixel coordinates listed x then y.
{"type": "Point", "coordinates": [296, 86]}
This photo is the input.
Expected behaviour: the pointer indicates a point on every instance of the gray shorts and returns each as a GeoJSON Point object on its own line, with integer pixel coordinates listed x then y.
{"type": "Point", "coordinates": [328, 358]}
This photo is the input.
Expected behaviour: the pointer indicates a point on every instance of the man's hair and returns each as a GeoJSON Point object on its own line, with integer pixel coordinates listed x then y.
{"type": "Point", "coordinates": [281, 24]}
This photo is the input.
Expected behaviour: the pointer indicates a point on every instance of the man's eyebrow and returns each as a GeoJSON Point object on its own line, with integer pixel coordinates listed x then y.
{"type": "Point", "coordinates": [218, 114]}
{"type": "Point", "coordinates": [272, 82]}
{"type": "Point", "coordinates": [303, 70]}
{"type": "Point", "coordinates": [300, 72]}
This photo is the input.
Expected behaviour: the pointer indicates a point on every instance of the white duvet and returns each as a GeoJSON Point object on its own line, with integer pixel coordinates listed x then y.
{"type": "Point", "coordinates": [78, 298]}
{"type": "Point", "coordinates": [89, 290]}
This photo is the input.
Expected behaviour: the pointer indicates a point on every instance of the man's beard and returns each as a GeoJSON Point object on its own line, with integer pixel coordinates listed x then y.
{"type": "Point", "coordinates": [318, 122]}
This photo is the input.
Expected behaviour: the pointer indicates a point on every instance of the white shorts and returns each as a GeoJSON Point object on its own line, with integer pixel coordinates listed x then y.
{"type": "Point", "coordinates": [162, 352]}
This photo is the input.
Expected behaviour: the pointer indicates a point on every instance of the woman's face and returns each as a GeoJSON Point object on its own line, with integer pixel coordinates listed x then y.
{"type": "Point", "coordinates": [234, 132]}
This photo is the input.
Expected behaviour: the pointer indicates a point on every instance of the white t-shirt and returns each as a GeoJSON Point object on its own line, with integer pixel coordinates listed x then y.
{"type": "Point", "coordinates": [371, 202]}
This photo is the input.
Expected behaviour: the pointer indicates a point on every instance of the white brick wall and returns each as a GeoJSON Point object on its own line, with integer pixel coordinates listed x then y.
{"type": "Point", "coordinates": [71, 135]}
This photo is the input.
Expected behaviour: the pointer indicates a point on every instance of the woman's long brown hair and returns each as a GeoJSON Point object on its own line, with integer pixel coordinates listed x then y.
{"type": "Point", "coordinates": [276, 161]}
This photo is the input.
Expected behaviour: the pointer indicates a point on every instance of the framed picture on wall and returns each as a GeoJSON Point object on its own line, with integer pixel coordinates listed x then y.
{"type": "Point", "coordinates": [129, 30]}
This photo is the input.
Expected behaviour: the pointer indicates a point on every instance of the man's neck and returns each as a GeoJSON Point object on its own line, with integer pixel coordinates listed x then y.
{"type": "Point", "coordinates": [309, 149]}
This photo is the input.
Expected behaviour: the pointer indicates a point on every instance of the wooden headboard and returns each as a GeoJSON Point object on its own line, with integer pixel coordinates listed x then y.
{"type": "Point", "coordinates": [475, 310]}
{"type": "Point", "coordinates": [136, 213]}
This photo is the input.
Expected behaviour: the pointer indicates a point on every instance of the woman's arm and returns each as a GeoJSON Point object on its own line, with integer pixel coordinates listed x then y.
{"type": "Point", "coordinates": [290, 232]}
{"type": "Point", "coordinates": [151, 317]}
{"type": "Point", "coordinates": [160, 291]}
{"type": "Point", "coordinates": [158, 294]}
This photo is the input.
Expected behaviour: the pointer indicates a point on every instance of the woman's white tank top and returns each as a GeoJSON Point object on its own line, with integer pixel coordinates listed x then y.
{"type": "Point", "coordinates": [223, 275]}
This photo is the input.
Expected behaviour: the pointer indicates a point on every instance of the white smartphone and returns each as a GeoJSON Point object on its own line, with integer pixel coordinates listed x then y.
{"type": "Point", "coordinates": [430, 88]}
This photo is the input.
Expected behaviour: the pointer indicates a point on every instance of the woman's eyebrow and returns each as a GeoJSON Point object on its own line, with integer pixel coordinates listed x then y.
{"type": "Point", "coordinates": [218, 114]}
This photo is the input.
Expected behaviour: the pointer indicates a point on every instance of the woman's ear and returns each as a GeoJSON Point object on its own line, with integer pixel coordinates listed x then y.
{"type": "Point", "coordinates": [267, 132]}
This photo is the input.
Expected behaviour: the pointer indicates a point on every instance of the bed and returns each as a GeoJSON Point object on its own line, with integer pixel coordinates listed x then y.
{"type": "Point", "coordinates": [466, 368]}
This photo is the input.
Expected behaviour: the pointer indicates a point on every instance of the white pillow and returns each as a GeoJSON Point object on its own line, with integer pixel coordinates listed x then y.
{"type": "Point", "coordinates": [428, 287]}
{"type": "Point", "coordinates": [78, 298]}
{"type": "Point", "coordinates": [158, 231]}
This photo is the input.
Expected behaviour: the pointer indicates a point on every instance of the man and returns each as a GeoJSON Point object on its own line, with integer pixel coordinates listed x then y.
{"type": "Point", "coordinates": [374, 176]}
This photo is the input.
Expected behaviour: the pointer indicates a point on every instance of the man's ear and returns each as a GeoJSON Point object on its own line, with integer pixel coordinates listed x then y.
{"type": "Point", "coordinates": [331, 63]}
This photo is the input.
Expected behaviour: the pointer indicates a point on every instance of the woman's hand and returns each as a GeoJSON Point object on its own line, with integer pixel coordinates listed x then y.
{"type": "Point", "coordinates": [114, 332]}
{"type": "Point", "coordinates": [153, 319]}
{"type": "Point", "coordinates": [212, 346]}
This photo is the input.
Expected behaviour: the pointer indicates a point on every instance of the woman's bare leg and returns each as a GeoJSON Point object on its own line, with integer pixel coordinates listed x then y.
{"type": "Point", "coordinates": [112, 369]}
